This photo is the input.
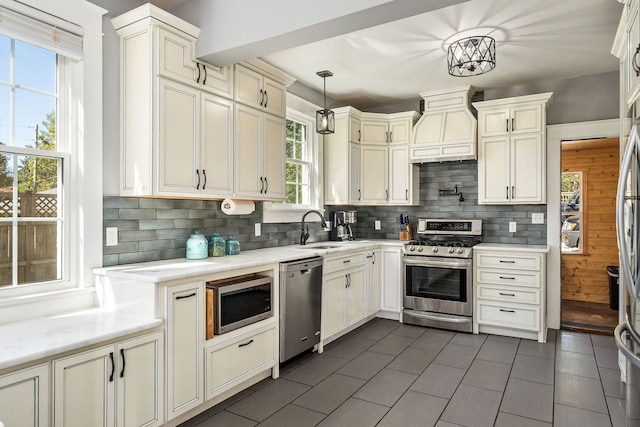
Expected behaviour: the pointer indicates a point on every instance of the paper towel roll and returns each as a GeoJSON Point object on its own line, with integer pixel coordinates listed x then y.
{"type": "Point", "coordinates": [237, 207]}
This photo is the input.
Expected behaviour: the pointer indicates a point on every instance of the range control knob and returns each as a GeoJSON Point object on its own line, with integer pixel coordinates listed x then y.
{"type": "Point", "coordinates": [412, 248]}
{"type": "Point", "coordinates": [420, 249]}
{"type": "Point", "coordinates": [460, 250]}
{"type": "Point", "coordinates": [450, 250]}
{"type": "Point", "coordinates": [435, 249]}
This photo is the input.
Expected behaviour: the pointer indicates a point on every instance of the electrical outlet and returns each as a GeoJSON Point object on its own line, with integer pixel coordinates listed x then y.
{"type": "Point", "coordinates": [537, 218]}
{"type": "Point", "coordinates": [512, 227]}
{"type": "Point", "coordinates": [258, 229]}
{"type": "Point", "coordinates": [377, 225]}
{"type": "Point", "coordinates": [112, 236]}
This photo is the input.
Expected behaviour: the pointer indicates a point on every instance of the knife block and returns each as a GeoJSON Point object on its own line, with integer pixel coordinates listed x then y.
{"type": "Point", "coordinates": [406, 234]}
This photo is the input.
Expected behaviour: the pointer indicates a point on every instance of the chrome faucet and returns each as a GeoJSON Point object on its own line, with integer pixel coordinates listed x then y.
{"type": "Point", "coordinates": [304, 235]}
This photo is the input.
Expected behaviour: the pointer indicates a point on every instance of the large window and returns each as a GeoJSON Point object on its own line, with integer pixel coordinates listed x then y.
{"type": "Point", "coordinates": [31, 168]}
{"type": "Point", "coordinates": [298, 164]}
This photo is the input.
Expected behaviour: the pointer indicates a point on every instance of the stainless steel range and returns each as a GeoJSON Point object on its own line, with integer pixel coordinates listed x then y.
{"type": "Point", "coordinates": [438, 274]}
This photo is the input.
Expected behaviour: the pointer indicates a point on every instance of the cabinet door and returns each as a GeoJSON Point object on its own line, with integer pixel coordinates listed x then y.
{"type": "Point", "coordinates": [275, 97]}
{"type": "Point", "coordinates": [373, 281]}
{"type": "Point", "coordinates": [355, 191]}
{"type": "Point", "coordinates": [333, 303]}
{"type": "Point", "coordinates": [374, 132]}
{"type": "Point", "coordinates": [178, 169]}
{"type": "Point", "coordinates": [493, 170]}
{"type": "Point", "coordinates": [218, 80]}
{"type": "Point", "coordinates": [84, 389]}
{"type": "Point", "coordinates": [400, 132]}
{"type": "Point", "coordinates": [356, 309]}
{"type": "Point", "coordinates": [249, 181]}
{"type": "Point", "coordinates": [391, 279]}
{"type": "Point", "coordinates": [400, 175]}
{"type": "Point", "coordinates": [140, 392]}
{"type": "Point", "coordinates": [336, 163]}
{"type": "Point", "coordinates": [526, 119]}
{"type": "Point", "coordinates": [216, 149]}
{"type": "Point", "coordinates": [374, 173]}
{"type": "Point", "coordinates": [527, 169]}
{"type": "Point", "coordinates": [185, 321]}
{"type": "Point", "coordinates": [176, 57]}
{"type": "Point", "coordinates": [274, 160]}
{"type": "Point", "coordinates": [248, 87]}
{"type": "Point", "coordinates": [24, 397]}
{"type": "Point", "coordinates": [493, 122]}
{"type": "Point", "coordinates": [355, 133]}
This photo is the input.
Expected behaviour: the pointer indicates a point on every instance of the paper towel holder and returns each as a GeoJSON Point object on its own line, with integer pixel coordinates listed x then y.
{"type": "Point", "coordinates": [237, 207]}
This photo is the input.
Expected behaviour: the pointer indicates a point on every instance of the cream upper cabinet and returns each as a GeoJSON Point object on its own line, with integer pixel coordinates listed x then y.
{"type": "Point", "coordinates": [375, 132]}
{"type": "Point", "coordinates": [342, 159]}
{"type": "Point", "coordinates": [512, 150]}
{"type": "Point", "coordinates": [403, 176]}
{"type": "Point", "coordinates": [216, 145]}
{"type": "Point", "coordinates": [259, 140]}
{"type": "Point", "coordinates": [259, 91]}
{"type": "Point", "coordinates": [24, 397]}
{"type": "Point", "coordinates": [119, 384]}
{"type": "Point", "coordinates": [374, 160]}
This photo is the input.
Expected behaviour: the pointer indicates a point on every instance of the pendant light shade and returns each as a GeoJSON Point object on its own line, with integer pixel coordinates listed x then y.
{"type": "Point", "coordinates": [325, 119]}
{"type": "Point", "coordinates": [471, 56]}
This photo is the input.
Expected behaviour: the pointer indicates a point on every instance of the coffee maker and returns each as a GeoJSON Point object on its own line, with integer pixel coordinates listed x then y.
{"type": "Point", "coordinates": [341, 225]}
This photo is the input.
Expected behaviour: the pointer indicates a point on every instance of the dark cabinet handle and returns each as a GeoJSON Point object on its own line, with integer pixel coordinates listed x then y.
{"type": "Point", "coordinates": [390, 137]}
{"type": "Point", "coordinates": [198, 79]}
{"type": "Point", "coordinates": [507, 192]}
{"type": "Point", "coordinates": [261, 97]}
{"type": "Point", "coordinates": [513, 192]}
{"type": "Point", "coordinates": [123, 362]}
{"type": "Point", "coordinates": [507, 262]}
{"type": "Point", "coordinates": [507, 278]}
{"type": "Point", "coordinates": [507, 295]}
{"type": "Point", "coordinates": [507, 125]}
{"type": "Point", "coordinates": [245, 344]}
{"type": "Point", "coordinates": [204, 81]}
{"type": "Point", "coordinates": [634, 62]}
{"type": "Point", "coordinates": [266, 185]}
{"type": "Point", "coordinates": [205, 175]}
{"type": "Point", "coordinates": [360, 132]}
{"type": "Point", "coordinates": [186, 296]}
{"type": "Point", "coordinates": [346, 261]}
{"type": "Point", "coordinates": [198, 184]}
{"type": "Point", "coordinates": [113, 367]}
{"type": "Point", "coordinates": [406, 194]}
{"type": "Point", "coordinates": [507, 311]}
{"type": "Point", "coordinates": [386, 194]}
{"type": "Point", "coordinates": [261, 186]}
{"type": "Point", "coordinates": [359, 194]}
{"type": "Point", "coordinates": [374, 257]}
{"type": "Point", "coordinates": [266, 98]}
{"type": "Point", "coordinates": [513, 124]}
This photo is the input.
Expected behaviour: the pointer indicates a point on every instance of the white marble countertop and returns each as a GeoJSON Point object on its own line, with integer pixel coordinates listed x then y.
{"type": "Point", "coordinates": [512, 247]}
{"type": "Point", "coordinates": [175, 269]}
{"type": "Point", "coordinates": [41, 337]}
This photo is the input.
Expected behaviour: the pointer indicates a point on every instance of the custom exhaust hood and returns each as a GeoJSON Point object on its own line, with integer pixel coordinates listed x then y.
{"type": "Point", "coordinates": [447, 130]}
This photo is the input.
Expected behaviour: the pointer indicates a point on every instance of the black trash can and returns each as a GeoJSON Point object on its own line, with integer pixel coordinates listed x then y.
{"type": "Point", "coordinates": [614, 286]}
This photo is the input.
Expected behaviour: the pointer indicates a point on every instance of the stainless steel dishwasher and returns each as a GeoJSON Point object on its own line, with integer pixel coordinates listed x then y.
{"type": "Point", "coordinates": [300, 306]}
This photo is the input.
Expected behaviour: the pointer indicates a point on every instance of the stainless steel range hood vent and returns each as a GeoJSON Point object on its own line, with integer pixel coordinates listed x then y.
{"type": "Point", "coordinates": [447, 130]}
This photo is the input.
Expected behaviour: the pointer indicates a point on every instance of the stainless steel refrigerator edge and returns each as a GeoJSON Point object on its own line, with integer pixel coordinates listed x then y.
{"type": "Point", "coordinates": [300, 306]}
{"type": "Point", "coordinates": [627, 333]}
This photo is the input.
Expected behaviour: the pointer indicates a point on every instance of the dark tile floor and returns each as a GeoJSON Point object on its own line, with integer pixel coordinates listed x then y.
{"type": "Point", "coordinates": [389, 374]}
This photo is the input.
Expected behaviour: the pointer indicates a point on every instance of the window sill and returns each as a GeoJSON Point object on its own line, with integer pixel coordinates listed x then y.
{"type": "Point", "coordinates": [16, 308]}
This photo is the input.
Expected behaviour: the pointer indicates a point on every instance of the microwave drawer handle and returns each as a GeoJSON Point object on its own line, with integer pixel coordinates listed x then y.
{"type": "Point", "coordinates": [245, 344]}
{"type": "Point", "coordinates": [186, 296]}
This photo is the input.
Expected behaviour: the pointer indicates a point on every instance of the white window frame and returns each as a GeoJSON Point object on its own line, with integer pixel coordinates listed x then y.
{"type": "Point", "coordinates": [301, 111]}
{"type": "Point", "coordinates": [80, 137]}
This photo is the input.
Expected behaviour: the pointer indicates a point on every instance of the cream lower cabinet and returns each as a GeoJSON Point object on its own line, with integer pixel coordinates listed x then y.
{"type": "Point", "coordinates": [391, 278]}
{"type": "Point", "coordinates": [372, 281]}
{"type": "Point", "coordinates": [343, 293]}
{"type": "Point", "coordinates": [184, 323]}
{"type": "Point", "coordinates": [119, 384]}
{"type": "Point", "coordinates": [259, 154]}
{"type": "Point", "coordinates": [510, 292]}
{"type": "Point", "coordinates": [232, 361]}
{"type": "Point", "coordinates": [24, 397]}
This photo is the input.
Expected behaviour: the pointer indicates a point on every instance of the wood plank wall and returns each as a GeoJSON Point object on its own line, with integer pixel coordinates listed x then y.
{"type": "Point", "coordinates": [584, 276]}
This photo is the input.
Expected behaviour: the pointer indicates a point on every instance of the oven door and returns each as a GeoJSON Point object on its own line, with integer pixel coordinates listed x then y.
{"type": "Point", "coordinates": [441, 285]}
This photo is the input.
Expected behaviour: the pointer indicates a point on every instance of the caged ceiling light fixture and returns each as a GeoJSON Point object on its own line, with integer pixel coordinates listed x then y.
{"type": "Point", "coordinates": [325, 119]}
{"type": "Point", "coordinates": [471, 56]}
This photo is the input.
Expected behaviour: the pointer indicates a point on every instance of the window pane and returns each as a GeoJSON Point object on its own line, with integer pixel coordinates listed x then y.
{"type": "Point", "coordinates": [34, 113]}
{"type": "Point", "coordinates": [305, 195]}
{"type": "Point", "coordinates": [289, 147]}
{"type": "Point", "coordinates": [4, 115]}
{"type": "Point", "coordinates": [35, 67]}
{"type": "Point", "coordinates": [38, 186]}
{"type": "Point", "coordinates": [6, 185]}
{"type": "Point", "coordinates": [5, 55]}
{"type": "Point", "coordinates": [5, 254]}
{"type": "Point", "coordinates": [37, 251]}
{"type": "Point", "coordinates": [290, 194]}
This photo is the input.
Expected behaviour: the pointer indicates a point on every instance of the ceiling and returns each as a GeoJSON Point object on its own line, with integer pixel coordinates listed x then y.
{"type": "Point", "coordinates": [392, 63]}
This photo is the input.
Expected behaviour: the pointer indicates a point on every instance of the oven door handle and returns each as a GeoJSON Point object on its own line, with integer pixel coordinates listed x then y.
{"type": "Point", "coordinates": [421, 261]}
{"type": "Point", "coordinates": [442, 318]}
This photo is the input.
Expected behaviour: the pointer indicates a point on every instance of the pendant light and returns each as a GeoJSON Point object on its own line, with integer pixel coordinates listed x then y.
{"type": "Point", "coordinates": [325, 119]}
{"type": "Point", "coordinates": [471, 56]}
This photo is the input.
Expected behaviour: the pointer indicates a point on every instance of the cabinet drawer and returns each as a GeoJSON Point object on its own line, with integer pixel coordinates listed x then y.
{"type": "Point", "coordinates": [525, 296]}
{"type": "Point", "coordinates": [335, 264]}
{"type": "Point", "coordinates": [244, 356]}
{"type": "Point", "coordinates": [509, 260]}
{"type": "Point", "coordinates": [508, 315]}
{"type": "Point", "coordinates": [508, 277]}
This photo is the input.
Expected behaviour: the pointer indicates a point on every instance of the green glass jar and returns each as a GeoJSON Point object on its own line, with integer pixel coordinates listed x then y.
{"type": "Point", "coordinates": [233, 246]}
{"type": "Point", "coordinates": [197, 246]}
{"type": "Point", "coordinates": [216, 245]}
